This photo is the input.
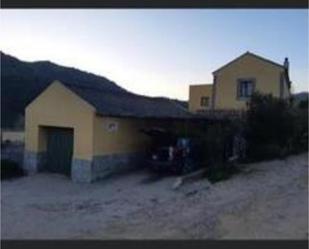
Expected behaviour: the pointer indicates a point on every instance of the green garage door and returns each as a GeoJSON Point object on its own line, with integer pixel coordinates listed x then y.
{"type": "Point", "coordinates": [59, 150]}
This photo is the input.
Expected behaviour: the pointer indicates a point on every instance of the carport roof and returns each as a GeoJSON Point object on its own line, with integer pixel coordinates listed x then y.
{"type": "Point", "coordinates": [126, 104]}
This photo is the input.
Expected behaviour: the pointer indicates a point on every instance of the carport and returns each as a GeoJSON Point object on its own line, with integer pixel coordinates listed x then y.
{"type": "Point", "coordinates": [88, 133]}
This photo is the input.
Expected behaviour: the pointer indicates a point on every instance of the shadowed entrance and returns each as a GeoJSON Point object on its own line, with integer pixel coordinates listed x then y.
{"type": "Point", "coordinates": [59, 150]}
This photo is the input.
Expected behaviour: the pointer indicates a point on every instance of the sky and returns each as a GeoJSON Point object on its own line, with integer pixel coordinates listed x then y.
{"type": "Point", "coordinates": [157, 52]}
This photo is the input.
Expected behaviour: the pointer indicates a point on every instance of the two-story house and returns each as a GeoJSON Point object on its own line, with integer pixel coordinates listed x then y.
{"type": "Point", "coordinates": [234, 83]}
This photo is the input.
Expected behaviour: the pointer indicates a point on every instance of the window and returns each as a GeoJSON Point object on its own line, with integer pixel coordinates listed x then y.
{"type": "Point", "coordinates": [112, 127]}
{"type": "Point", "coordinates": [245, 88]}
{"type": "Point", "coordinates": [205, 101]}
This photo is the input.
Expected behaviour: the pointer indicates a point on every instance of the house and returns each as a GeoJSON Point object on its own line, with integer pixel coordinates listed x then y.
{"type": "Point", "coordinates": [234, 83]}
{"type": "Point", "coordinates": [86, 132]}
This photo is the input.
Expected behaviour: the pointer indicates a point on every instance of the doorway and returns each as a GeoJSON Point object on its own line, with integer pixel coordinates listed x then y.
{"type": "Point", "coordinates": [59, 150]}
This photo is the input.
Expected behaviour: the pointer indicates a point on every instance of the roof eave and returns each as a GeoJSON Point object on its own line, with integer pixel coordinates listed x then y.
{"type": "Point", "coordinates": [144, 116]}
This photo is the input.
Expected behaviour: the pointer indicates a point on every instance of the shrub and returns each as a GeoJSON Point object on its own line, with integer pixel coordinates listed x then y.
{"type": "Point", "coordinates": [216, 141]}
{"type": "Point", "coordinates": [274, 128]}
{"type": "Point", "coordinates": [303, 104]}
{"type": "Point", "coordinates": [219, 147]}
{"type": "Point", "coordinates": [10, 169]}
{"type": "Point", "coordinates": [260, 152]}
{"type": "Point", "coordinates": [221, 172]}
{"type": "Point", "coordinates": [299, 141]}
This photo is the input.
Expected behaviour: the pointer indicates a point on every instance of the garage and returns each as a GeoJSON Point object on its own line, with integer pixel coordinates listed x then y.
{"type": "Point", "coordinates": [59, 151]}
{"type": "Point", "coordinates": [88, 133]}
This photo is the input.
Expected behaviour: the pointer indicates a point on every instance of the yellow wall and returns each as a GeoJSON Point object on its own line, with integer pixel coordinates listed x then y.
{"type": "Point", "coordinates": [195, 94]}
{"type": "Point", "coordinates": [60, 107]}
{"type": "Point", "coordinates": [267, 78]}
{"type": "Point", "coordinates": [126, 138]}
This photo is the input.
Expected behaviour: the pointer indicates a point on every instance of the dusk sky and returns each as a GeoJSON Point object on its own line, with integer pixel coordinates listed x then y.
{"type": "Point", "coordinates": [157, 52]}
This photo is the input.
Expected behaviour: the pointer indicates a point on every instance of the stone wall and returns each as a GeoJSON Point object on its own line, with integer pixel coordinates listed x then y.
{"type": "Point", "coordinates": [33, 162]}
{"type": "Point", "coordinates": [105, 166]}
{"type": "Point", "coordinates": [88, 170]}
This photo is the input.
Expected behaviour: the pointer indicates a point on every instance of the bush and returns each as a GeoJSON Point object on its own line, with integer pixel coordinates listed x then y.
{"type": "Point", "coordinates": [303, 104]}
{"type": "Point", "coordinates": [10, 169]}
{"type": "Point", "coordinates": [219, 147]}
{"type": "Point", "coordinates": [216, 141]}
{"type": "Point", "coordinates": [274, 128]}
{"type": "Point", "coordinates": [260, 152]}
{"type": "Point", "coordinates": [221, 172]}
{"type": "Point", "coordinates": [299, 140]}
{"type": "Point", "coordinates": [217, 138]}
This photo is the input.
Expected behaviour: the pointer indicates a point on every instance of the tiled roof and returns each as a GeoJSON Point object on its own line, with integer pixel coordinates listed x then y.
{"type": "Point", "coordinates": [126, 104]}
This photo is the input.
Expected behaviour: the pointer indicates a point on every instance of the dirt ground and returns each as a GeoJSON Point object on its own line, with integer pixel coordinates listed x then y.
{"type": "Point", "coordinates": [267, 200]}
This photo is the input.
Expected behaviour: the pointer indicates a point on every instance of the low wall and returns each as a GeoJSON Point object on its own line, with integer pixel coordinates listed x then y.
{"type": "Point", "coordinates": [13, 151]}
{"type": "Point", "coordinates": [89, 170]}
{"type": "Point", "coordinates": [105, 166]}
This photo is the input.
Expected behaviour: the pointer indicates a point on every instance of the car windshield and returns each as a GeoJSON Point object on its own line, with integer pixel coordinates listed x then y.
{"type": "Point", "coordinates": [183, 142]}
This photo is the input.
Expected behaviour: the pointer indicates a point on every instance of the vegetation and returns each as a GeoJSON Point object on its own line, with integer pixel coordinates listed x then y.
{"type": "Point", "coordinates": [300, 99]}
{"type": "Point", "coordinates": [221, 172]}
{"type": "Point", "coordinates": [271, 128]}
{"type": "Point", "coordinates": [274, 128]}
{"type": "Point", "coordinates": [10, 169]}
{"type": "Point", "coordinates": [303, 104]}
{"type": "Point", "coordinates": [217, 140]}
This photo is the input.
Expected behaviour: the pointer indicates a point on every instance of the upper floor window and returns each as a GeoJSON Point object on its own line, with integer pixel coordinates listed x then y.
{"type": "Point", "coordinates": [205, 101]}
{"type": "Point", "coordinates": [245, 88]}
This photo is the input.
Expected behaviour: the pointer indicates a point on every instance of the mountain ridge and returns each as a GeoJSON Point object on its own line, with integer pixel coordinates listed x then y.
{"type": "Point", "coordinates": [22, 81]}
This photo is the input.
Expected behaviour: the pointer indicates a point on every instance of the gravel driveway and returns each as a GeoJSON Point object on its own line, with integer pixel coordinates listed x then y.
{"type": "Point", "coordinates": [267, 200]}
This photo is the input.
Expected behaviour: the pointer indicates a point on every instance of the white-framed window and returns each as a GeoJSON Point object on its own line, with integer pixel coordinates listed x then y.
{"type": "Point", "coordinates": [245, 88]}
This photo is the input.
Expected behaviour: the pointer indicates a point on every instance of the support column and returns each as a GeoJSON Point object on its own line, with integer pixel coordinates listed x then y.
{"type": "Point", "coordinates": [81, 170]}
{"type": "Point", "coordinates": [33, 162]}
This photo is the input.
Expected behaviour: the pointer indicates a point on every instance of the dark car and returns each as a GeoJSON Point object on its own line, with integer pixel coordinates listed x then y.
{"type": "Point", "coordinates": [173, 155]}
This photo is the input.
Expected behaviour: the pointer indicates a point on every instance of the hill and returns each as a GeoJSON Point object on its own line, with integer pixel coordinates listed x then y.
{"type": "Point", "coordinates": [22, 81]}
{"type": "Point", "coordinates": [302, 96]}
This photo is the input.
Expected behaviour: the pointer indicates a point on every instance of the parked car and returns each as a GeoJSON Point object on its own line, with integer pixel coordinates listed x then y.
{"type": "Point", "coordinates": [173, 155]}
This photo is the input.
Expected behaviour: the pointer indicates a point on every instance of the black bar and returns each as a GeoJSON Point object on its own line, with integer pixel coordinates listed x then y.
{"type": "Point", "coordinates": [156, 244]}
{"type": "Point", "coordinates": [282, 4]}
